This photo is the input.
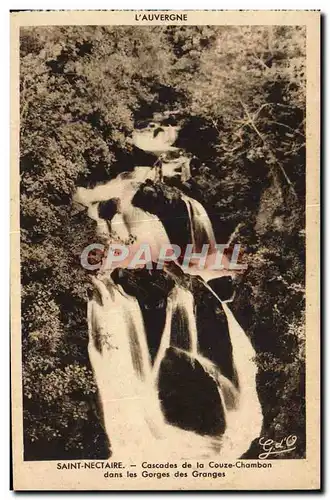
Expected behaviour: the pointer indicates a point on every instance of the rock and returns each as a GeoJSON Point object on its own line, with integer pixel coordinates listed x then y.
{"type": "Point", "coordinates": [151, 289]}
{"type": "Point", "coordinates": [213, 334]}
{"type": "Point", "coordinates": [107, 209]}
{"type": "Point", "coordinates": [223, 287]}
{"type": "Point", "coordinates": [189, 395]}
{"type": "Point", "coordinates": [165, 202]}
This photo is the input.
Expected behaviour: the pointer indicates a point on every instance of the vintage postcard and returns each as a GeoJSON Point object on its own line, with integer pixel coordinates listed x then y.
{"type": "Point", "coordinates": [165, 250]}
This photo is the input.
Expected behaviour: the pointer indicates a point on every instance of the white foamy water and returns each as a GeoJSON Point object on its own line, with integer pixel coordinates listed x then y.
{"type": "Point", "coordinates": [128, 383]}
{"type": "Point", "coordinates": [158, 139]}
{"type": "Point", "coordinates": [200, 224]}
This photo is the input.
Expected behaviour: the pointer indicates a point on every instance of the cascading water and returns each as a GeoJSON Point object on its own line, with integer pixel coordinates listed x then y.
{"type": "Point", "coordinates": [155, 138]}
{"type": "Point", "coordinates": [180, 303]}
{"type": "Point", "coordinates": [127, 380]}
{"type": "Point", "coordinates": [200, 224]}
{"type": "Point", "coordinates": [244, 421]}
{"type": "Point", "coordinates": [130, 224]}
{"type": "Point", "coordinates": [117, 346]}
{"type": "Point", "coordinates": [185, 336]}
{"type": "Point", "coordinates": [202, 233]}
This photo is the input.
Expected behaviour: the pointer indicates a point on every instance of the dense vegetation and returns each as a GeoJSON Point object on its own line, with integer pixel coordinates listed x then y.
{"type": "Point", "coordinates": [239, 93]}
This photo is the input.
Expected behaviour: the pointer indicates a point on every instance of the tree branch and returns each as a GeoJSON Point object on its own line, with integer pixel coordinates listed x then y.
{"type": "Point", "coordinates": [287, 126]}
{"type": "Point", "coordinates": [251, 123]}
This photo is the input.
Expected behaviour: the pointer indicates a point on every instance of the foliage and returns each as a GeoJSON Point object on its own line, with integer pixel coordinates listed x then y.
{"type": "Point", "coordinates": [239, 93]}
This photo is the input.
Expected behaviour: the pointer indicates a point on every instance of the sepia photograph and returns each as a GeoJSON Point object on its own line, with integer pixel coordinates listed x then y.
{"type": "Point", "coordinates": [162, 250]}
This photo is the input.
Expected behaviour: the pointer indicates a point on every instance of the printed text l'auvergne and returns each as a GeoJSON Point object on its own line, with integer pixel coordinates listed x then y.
{"type": "Point", "coordinates": [161, 17]}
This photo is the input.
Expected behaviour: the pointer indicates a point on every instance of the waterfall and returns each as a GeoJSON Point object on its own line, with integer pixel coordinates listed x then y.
{"type": "Point", "coordinates": [244, 416]}
{"type": "Point", "coordinates": [136, 227]}
{"type": "Point", "coordinates": [200, 224]}
{"type": "Point", "coordinates": [166, 336]}
{"type": "Point", "coordinates": [130, 225]}
{"type": "Point", "coordinates": [127, 382]}
{"type": "Point", "coordinates": [185, 335]}
{"type": "Point", "coordinates": [245, 420]}
{"type": "Point", "coordinates": [125, 376]}
{"type": "Point", "coordinates": [180, 302]}
{"type": "Point", "coordinates": [121, 364]}
{"type": "Point", "coordinates": [178, 167]}
{"type": "Point", "coordinates": [156, 138]}
{"type": "Point", "coordinates": [185, 170]}
{"type": "Point", "coordinates": [201, 232]}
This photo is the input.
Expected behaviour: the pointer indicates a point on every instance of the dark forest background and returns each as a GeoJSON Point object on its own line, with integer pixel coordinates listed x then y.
{"type": "Point", "coordinates": [239, 93]}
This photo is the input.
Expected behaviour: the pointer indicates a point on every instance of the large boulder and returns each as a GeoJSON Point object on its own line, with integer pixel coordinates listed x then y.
{"type": "Point", "coordinates": [189, 395]}
{"type": "Point", "coordinates": [165, 202]}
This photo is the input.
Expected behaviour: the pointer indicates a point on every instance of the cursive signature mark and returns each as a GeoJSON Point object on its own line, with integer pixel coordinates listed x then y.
{"type": "Point", "coordinates": [272, 447]}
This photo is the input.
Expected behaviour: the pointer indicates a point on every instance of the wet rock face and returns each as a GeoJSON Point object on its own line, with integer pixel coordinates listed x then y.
{"type": "Point", "coordinates": [148, 286]}
{"type": "Point", "coordinates": [107, 209]}
{"type": "Point", "coordinates": [189, 395]}
{"type": "Point", "coordinates": [213, 338]}
{"type": "Point", "coordinates": [213, 334]}
{"type": "Point", "coordinates": [223, 287]}
{"type": "Point", "coordinates": [165, 202]}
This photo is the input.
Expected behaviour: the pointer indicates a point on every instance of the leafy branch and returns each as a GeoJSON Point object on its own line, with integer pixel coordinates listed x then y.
{"type": "Point", "coordinates": [250, 122]}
